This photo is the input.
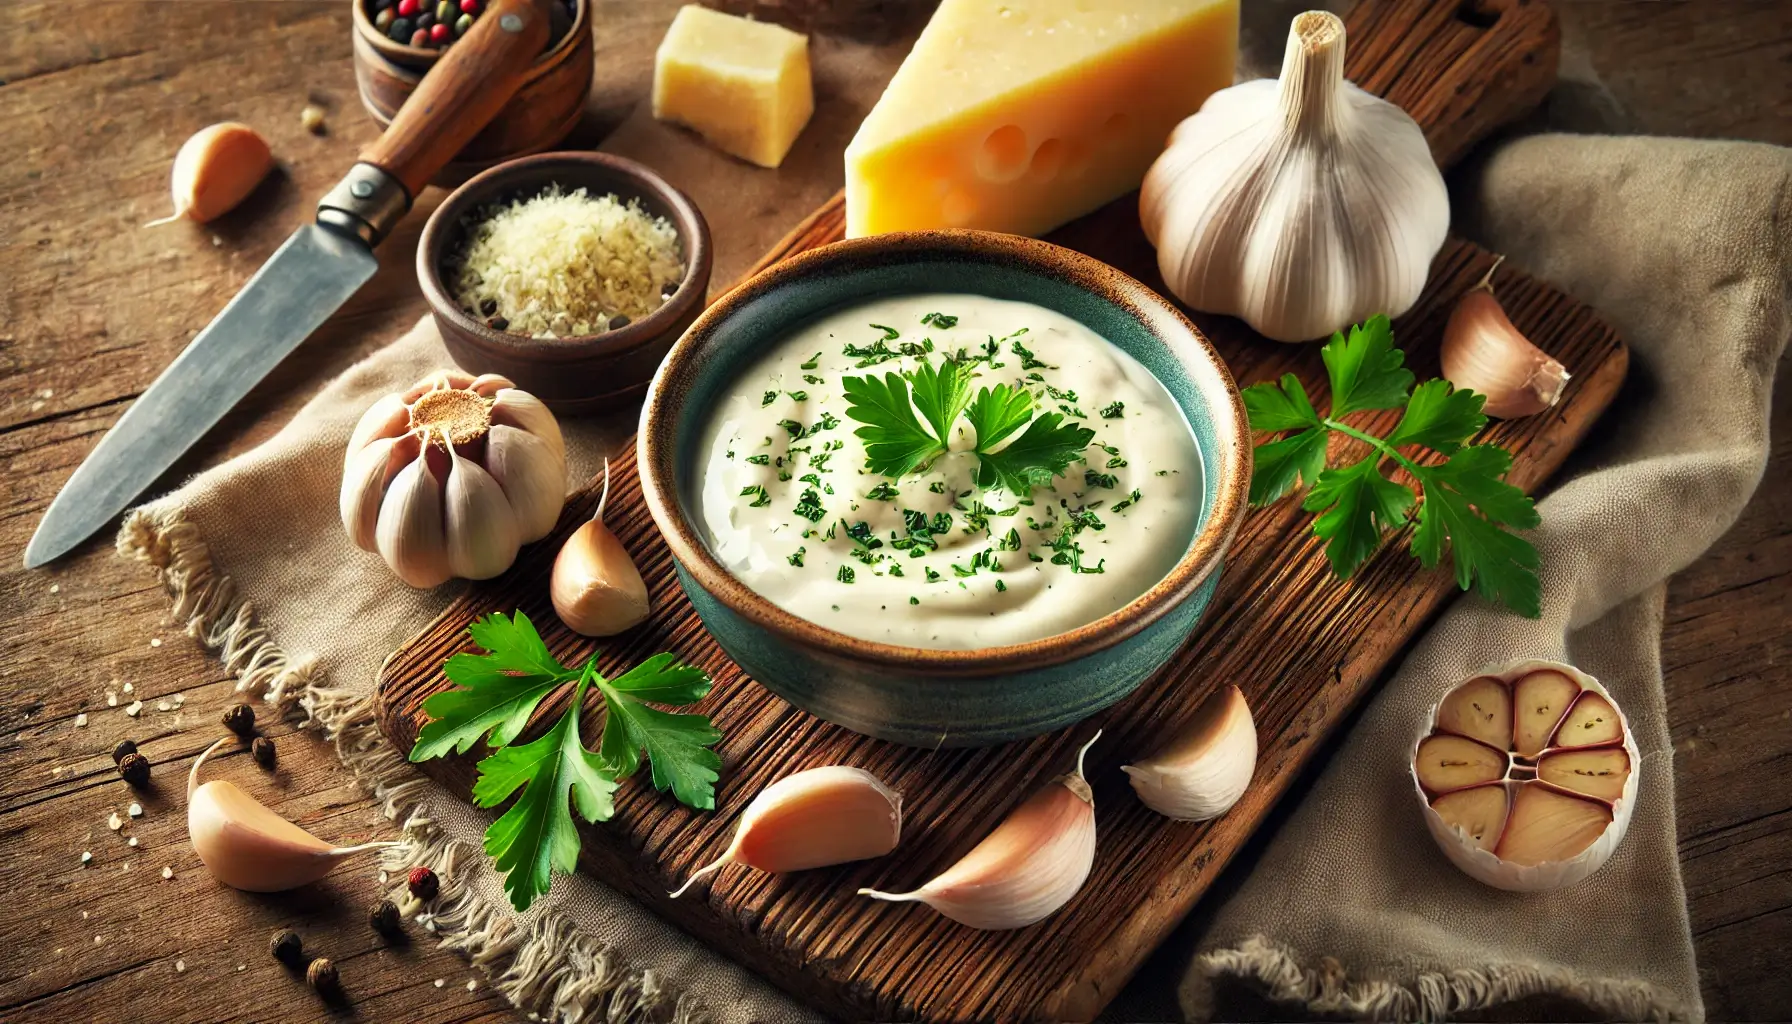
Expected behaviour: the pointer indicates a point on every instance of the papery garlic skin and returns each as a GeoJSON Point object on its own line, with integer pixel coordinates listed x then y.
{"type": "Point", "coordinates": [1025, 870]}
{"type": "Point", "coordinates": [1301, 205]}
{"type": "Point", "coordinates": [1203, 771]}
{"type": "Point", "coordinates": [450, 477]}
{"type": "Point", "coordinates": [247, 846]}
{"type": "Point", "coordinates": [1485, 866]}
{"type": "Point", "coordinates": [1483, 351]}
{"type": "Point", "coordinates": [815, 818]}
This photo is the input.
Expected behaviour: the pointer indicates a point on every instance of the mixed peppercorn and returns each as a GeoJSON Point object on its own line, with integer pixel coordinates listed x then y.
{"type": "Point", "coordinates": [436, 24]}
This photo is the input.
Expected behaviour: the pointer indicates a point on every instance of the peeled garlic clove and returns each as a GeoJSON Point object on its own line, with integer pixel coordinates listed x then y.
{"type": "Point", "coordinates": [364, 486]}
{"type": "Point", "coordinates": [409, 534]}
{"type": "Point", "coordinates": [480, 528]}
{"type": "Point", "coordinates": [520, 409]}
{"type": "Point", "coordinates": [596, 588]}
{"type": "Point", "coordinates": [216, 169]}
{"type": "Point", "coordinates": [1548, 808]}
{"type": "Point", "coordinates": [1483, 351]}
{"type": "Point", "coordinates": [1024, 871]}
{"type": "Point", "coordinates": [1205, 769]}
{"type": "Point", "coordinates": [247, 846]}
{"type": "Point", "coordinates": [532, 475]}
{"type": "Point", "coordinates": [813, 819]}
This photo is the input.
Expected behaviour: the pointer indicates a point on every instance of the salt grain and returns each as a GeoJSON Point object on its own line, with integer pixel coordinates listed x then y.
{"type": "Point", "coordinates": [162, 705]}
{"type": "Point", "coordinates": [81, 720]}
{"type": "Point", "coordinates": [441, 981]}
{"type": "Point", "coordinates": [179, 699]}
{"type": "Point", "coordinates": [83, 915]}
{"type": "Point", "coordinates": [472, 983]}
{"type": "Point", "coordinates": [55, 588]}
{"type": "Point", "coordinates": [157, 642]}
{"type": "Point", "coordinates": [114, 822]}
{"type": "Point", "coordinates": [97, 939]}
{"type": "Point", "coordinates": [128, 688]}
{"type": "Point", "coordinates": [241, 966]}
{"type": "Point", "coordinates": [111, 699]}
{"type": "Point", "coordinates": [133, 841]}
{"type": "Point", "coordinates": [180, 967]}
{"type": "Point", "coordinates": [135, 709]}
{"type": "Point", "coordinates": [135, 810]}
{"type": "Point", "coordinates": [86, 859]}
{"type": "Point", "coordinates": [167, 872]}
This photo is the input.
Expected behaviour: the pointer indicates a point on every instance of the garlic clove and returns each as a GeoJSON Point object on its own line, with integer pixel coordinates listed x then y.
{"type": "Point", "coordinates": [595, 586]}
{"type": "Point", "coordinates": [1025, 870]}
{"type": "Point", "coordinates": [520, 409]}
{"type": "Point", "coordinates": [1563, 793]}
{"type": "Point", "coordinates": [532, 476]}
{"type": "Point", "coordinates": [364, 486]}
{"type": "Point", "coordinates": [215, 169]}
{"type": "Point", "coordinates": [409, 534]}
{"type": "Point", "coordinates": [1203, 771]}
{"type": "Point", "coordinates": [1483, 351]}
{"type": "Point", "coordinates": [481, 531]}
{"type": "Point", "coordinates": [387, 417]}
{"type": "Point", "coordinates": [487, 385]}
{"type": "Point", "coordinates": [247, 846]}
{"type": "Point", "coordinates": [812, 819]}
{"type": "Point", "coordinates": [1480, 709]}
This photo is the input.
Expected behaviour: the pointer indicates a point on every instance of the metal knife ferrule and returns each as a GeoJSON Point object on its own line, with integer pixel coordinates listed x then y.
{"type": "Point", "coordinates": [368, 203]}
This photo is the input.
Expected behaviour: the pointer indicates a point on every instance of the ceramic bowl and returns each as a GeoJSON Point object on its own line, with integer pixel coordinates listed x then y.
{"type": "Point", "coordinates": [934, 698]}
{"type": "Point", "coordinates": [574, 374]}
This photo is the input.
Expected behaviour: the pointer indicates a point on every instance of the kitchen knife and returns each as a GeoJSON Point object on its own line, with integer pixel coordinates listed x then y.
{"type": "Point", "coordinates": [307, 279]}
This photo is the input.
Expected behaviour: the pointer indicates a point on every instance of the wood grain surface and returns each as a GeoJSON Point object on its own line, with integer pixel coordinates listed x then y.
{"type": "Point", "coordinates": [94, 99]}
{"type": "Point", "coordinates": [1273, 629]}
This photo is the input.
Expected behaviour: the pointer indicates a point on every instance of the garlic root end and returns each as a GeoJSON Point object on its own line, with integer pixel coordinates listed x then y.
{"type": "Point", "coordinates": [892, 897]}
{"type": "Point", "coordinates": [193, 773]}
{"type": "Point", "coordinates": [707, 869]}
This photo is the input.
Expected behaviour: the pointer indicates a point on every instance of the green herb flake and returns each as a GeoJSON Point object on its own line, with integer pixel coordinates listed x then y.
{"type": "Point", "coordinates": [884, 491]}
{"type": "Point", "coordinates": [808, 505]}
{"type": "Point", "coordinates": [770, 397]}
{"type": "Point", "coordinates": [1127, 502]}
{"type": "Point", "coordinates": [763, 499]}
{"type": "Point", "coordinates": [796, 557]}
{"type": "Point", "coordinates": [1092, 479]}
{"type": "Point", "coordinates": [1113, 410]}
{"type": "Point", "coordinates": [813, 362]}
{"type": "Point", "coordinates": [940, 320]}
{"type": "Point", "coordinates": [846, 575]}
{"type": "Point", "coordinates": [762, 459]}
{"type": "Point", "coordinates": [1001, 588]}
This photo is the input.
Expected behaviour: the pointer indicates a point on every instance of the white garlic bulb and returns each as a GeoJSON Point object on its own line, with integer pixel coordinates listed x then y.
{"type": "Point", "coordinates": [451, 477]}
{"type": "Point", "coordinates": [1528, 775]}
{"type": "Point", "coordinates": [1301, 205]}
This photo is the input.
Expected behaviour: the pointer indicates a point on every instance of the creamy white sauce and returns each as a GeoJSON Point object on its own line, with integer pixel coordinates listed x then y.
{"type": "Point", "coordinates": [784, 433]}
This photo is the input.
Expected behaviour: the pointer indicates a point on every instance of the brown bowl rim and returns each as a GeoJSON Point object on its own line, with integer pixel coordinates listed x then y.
{"type": "Point", "coordinates": [693, 233]}
{"type": "Point", "coordinates": [660, 485]}
{"type": "Point", "coordinates": [393, 52]}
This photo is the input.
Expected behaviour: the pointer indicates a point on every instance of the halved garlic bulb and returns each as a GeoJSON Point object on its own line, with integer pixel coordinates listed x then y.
{"type": "Point", "coordinates": [1203, 771]}
{"type": "Point", "coordinates": [449, 478]}
{"type": "Point", "coordinates": [1528, 774]}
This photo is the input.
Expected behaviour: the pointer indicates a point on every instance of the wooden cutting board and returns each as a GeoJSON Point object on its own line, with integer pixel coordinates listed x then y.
{"type": "Point", "coordinates": [1304, 646]}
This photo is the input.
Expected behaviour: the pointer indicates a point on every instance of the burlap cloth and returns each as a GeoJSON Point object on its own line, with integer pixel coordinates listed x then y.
{"type": "Point", "coordinates": [1684, 246]}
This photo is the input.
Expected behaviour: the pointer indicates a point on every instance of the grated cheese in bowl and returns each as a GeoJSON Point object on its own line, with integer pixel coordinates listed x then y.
{"type": "Point", "coordinates": [563, 263]}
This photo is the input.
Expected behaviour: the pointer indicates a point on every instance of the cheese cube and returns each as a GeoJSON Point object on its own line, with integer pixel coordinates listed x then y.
{"type": "Point", "coordinates": [1019, 115]}
{"type": "Point", "coordinates": [742, 85]}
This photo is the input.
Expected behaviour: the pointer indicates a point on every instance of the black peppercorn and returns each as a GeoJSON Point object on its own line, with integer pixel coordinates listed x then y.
{"type": "Point", "coordinates": [134, 769]}
{"type": "Point", "coordinates": [424, 883]}
{"type": "Point", "coordinates": [424, 21]}
{"type": "Point", "coordinates": [287, 947]}
{"type": "Point", "coordinates": [618, 322]}
{"type": "Point", "coordinates": [401, 30]}
{"type": "Point", "coordinates": [497, 323]}
{"type": "Point", "coordinates": [240, 719]}
{"type": "Point", "coordinates": [488, 306]}
{"type": "Point", "coordinates": [124, 747]}
{"type": "Point", "coordinates": [384, 917]}
{"type": "Point", "coordinates": [262, 750]}
{"type": "Point", "coordinates": [322, 975]}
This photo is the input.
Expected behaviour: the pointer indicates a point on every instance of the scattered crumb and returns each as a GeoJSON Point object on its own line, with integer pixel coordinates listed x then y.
{"type": "Point", "coordinates": [472, 983]}
{"type": "Point", "coordinates": [97, 939]}
{"type": "Point", "coordinates": [167, 872]}
{"type": "Point", "coordinates": [133, 841]}
{"type": "Point", "coordinates": [135, 709]}
{"type": "Point", "coordinates": [162, 705]}
{"type": "Point", "coordinates": [384, 877]}
{"type": "Point", "coordinates": [130, 688]}
{"type": "Point", "coordinates": [156, 642]}
{"type": "Point", "coordinates": [179, 699]}
{"type": "Point", "coordinates": [83, 915]}
{"type": "Point", "coordinates": [81, 720]}
{"type": "Point", "coordinates": [127, 865]}
{"type": "Point", "coordinates": [111, 699]}
{"type": "Point", "coordinates": [241, 966]}
{"type": "Point", "coordinates": [312, 117]}
{"type": "Point", "coordinates": [180, 966]}
{"type": "Point", "coordinates": [135, 810]}
{"type": "Point", "coordinates": [114, 822]}
{"type": "Point", "coordinates": [47, 393]}
{"type": "Point", "coordinates": [217, 241]}
{"type": "Point", "coordinates": [55, 588]}
{"type": "Point", "coordinates": [86, 859]}
{"type": "Point", "coordinates": [35, 406]}
{"type": "Point", "coordinates": [441, 981]}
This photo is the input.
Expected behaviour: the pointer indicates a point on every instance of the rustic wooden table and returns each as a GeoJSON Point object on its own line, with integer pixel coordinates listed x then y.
{"type": "Point", "coordinates": [94, 97]}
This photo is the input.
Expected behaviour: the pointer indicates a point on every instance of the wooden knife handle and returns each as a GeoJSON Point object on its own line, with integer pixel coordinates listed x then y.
{"type": "Point", "coordinates": [463, 91]}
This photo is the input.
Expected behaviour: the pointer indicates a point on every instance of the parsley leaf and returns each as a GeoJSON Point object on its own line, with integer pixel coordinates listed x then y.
{"type": "Point", "coordinates": [896, 443]}
{"type": "Point", "coordinates": [1045, 449]}
{"type": "Point", "coordinates": [677, 745]}
{"type": "Point", "coordinates": [999, 412]}
{"type": "Point", "coordinates": [537, 835]}
{"type": "Point", "coordinates": [1464, 502]}
{"type": "Point", "coordinates": [501, 688]}
{"type": "Point", "coordinates": [941, 394]}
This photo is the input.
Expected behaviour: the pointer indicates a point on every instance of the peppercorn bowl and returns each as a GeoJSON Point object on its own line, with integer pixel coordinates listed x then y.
{"type": "Point", "coordinates": [920, 696]}
{"type": "Point", "coordinates": [579, 373]}
{"type": "Point", "coordinates": [547, 106]}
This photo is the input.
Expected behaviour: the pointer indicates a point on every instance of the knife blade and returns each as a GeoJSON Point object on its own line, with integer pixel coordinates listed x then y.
{"type": "Point", "coordinates": [306, 280]}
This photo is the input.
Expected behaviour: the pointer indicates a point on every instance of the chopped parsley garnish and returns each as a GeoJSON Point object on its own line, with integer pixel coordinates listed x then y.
{"type": "Point", "coordinates": [860, 533]}
{"type": "Point", "coordinates": [1092, 479]}
{"type": "Point", "coordinates": [940, 320]}
{"type": "Point", "coordinates": [1010, 541]}
{"type": "Point", "coordinates": [1001, 587]}
{"type": "Point", "coordinates": [1113, 410]}
{"type": "Point", "coordinates": [797, 431]}
{"type": "Point", "coordinates": [932, 576]}
{"type": "Point", "coordinates": [890, 333]}
{"type": "Point", "coordinates": [800, 396]}
{"type": "Point", "coordinates": [810, 378]}
{"type": "Point", "coordinates": [763, 498]}
{"type": "Point", "coordinates": [846, 575]}
{"type": "Point", "coordinates": [796, 557]}
{"type": "Point", "coordinates": [770, 397]}
{"type": "Point", "coordinates": [937, 487]}
{"type": "Point", "coordinates": [914, 600]}
{"type": "Point", "coordinates": [1464, 500]}
{"type": "Point", "coordinates": [808, 505]}
{"type": "Point", "coordinates": [1127, 502]}
{"type": "Point", "coordinates": [1114, 459]}
{"type": "Point", "coordinates": [814, 361]}
{"type": "Point", "coordinates": [762, 459]}
{"type": "Point", "coordinates": [884, 491]}
{"type": "Point", "coordinates": [985, 559]}
{"type": "Point", "coordinates": [1028, 361]}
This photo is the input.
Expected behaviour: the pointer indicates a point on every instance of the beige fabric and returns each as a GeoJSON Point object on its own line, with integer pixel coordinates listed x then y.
{"type": "Point", "coordinates": [1686, 247]}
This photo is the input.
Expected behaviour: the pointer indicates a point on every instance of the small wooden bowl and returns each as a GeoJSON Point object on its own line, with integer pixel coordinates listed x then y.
{"type": "Point", "coordinates": [572, 374]}
{"type": "Point", "coordinates": [545, 109]}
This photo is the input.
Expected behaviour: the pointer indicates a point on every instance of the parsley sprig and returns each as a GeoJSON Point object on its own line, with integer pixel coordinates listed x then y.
{"type": "Point", "coordinates": [1463, 501]}
{"type": "Point", "coordinates": [558, 775]}
{"type": "Point", "coordinates": [898, 442]}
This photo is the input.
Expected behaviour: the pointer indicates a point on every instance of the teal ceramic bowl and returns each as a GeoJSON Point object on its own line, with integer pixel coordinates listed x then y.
{"type": "Point", "coordinates": [921, 697]}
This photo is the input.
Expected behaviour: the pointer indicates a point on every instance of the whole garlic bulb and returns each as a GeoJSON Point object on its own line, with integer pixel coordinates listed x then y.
{"type": "Point", "coordinates": [1301, 205]}
{"type": "Point", "coordinates": [451, 477]}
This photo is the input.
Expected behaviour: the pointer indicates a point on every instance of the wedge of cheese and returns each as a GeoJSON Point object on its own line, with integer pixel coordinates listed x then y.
{"type": "Point", "coordinates": [1018, 115]}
